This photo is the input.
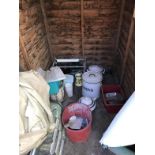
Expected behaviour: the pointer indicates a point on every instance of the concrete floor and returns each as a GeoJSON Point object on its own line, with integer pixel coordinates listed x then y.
{"type": "Point", "coordinates": [100, 122]}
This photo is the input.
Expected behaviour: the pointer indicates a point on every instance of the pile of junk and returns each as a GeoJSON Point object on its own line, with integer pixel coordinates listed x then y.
{"type": "Point", "coordinates": [44, 119]}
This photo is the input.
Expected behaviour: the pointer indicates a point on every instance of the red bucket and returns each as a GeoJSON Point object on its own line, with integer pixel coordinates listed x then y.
{"type": "Point", "coordinates": [82, 111]}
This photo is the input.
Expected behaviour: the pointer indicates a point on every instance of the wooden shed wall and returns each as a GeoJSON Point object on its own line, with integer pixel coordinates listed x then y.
{"type": "Point", "coordinates": [97, 29]}
{"type": "Point", "coordinates": [34, 50]}
{"type": "Point", "coordinates": [126, 49]}
{"type": "Point", "coordinates": [86, 27]}
{"type": "Point", "coordinates": [128, 81]}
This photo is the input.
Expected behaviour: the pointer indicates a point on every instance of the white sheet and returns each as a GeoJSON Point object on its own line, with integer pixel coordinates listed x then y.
{"type": "Point", "coordinates": [121, 131]}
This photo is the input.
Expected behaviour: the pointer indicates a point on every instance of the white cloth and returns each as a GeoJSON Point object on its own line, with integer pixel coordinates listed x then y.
{"type": "Point", "coordinates": [121, 131]}
{"type": "Point", "coordinates": [52, 75]}
{"type": "Point", "coordinates": [35, 116]}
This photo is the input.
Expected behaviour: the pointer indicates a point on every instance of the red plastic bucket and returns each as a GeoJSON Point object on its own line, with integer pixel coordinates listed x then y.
{"type": "Point", "coordinates": [77, 110]}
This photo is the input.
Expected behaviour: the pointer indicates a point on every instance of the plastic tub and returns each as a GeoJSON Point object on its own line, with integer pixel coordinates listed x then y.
{"type": "Point", "coordinates": [112, 108]}
{"type": "Point", "coordinates": [81, 110]}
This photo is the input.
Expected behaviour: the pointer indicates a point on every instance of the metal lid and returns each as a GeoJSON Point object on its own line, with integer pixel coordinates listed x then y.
{"type": "Point", "coordinates": [95, 68]}
{"type": "Point", "coordinates": [92, 77]}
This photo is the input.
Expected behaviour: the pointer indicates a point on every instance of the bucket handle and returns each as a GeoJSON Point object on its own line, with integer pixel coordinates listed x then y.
{"type": "Point", "coordinates": [90, 75]}
{"type": "Point", "coordinates": [103, 71]}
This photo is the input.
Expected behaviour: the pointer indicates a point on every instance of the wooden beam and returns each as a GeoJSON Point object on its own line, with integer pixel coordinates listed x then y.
{"type": "Point", "coordinates": [127, 48]}
{"type": "Point", "coordinates": [82, 29]}
{"type": "Point", "coordinates": [24, 52]}
{"type": "Point", "coordinates": [134, 14]}
{"type": "Point", "coordinates": [119, 25]}
{"type": "Point", "coordinates": [46, 28]}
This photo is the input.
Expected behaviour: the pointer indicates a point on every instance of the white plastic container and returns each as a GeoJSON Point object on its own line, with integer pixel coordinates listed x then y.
{"type": "Point", "coordinates": [69, 84]}
{"type": "Point", "coordinates": [69, 78]}
{"type": "Point", "coordinates": [69, 89]}
{"type": "Point", "coordinates": [91, 84]}
{"type": "Point", "coordinates": [88, 101]}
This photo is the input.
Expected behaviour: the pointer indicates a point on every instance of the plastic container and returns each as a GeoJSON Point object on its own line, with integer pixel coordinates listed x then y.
{"type": "Point", "coordinates": [88, 101]}
{"type": "Point", "coordinates": [83, 111]}
{"type": "Point", "coordinates": [69, 84]}
{"type": "Point", "coordinates": [91, 84]}
{"type": "Point", "coordinates": [110, 106]}
{"type": "Point", "coordinates": [69, 78]}
{"type": "Point", "coordinates": [78, 81]}
{"type": "Point", "coordinates": [69, 89]}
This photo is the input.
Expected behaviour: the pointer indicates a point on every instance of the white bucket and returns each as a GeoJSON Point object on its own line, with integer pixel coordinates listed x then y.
{"type": "Point", "coordinates": [69, 89]}
{"type": "Point", "coordinates": [91, 84]}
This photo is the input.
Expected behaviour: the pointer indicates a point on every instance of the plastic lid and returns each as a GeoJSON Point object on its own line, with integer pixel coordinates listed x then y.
{"type": "Point", "coordinates": [92, 77]}
{"type": "Point", "coordinates": [95, 68]}
{"type": "Point", "coordinates": [85, 100]}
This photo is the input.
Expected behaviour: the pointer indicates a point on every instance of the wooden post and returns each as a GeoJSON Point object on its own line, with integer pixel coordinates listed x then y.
{"type": "Point", "coordinates": [127, 48]}
{"type": "Point", "coordinates": [134, 14]}
{"type": "Point", "coordinates": [82, 29]}
{"type": "Point", "coordinates": [46, 28]}
{"type": "Point", "coordinates": [119, 25]}
{"type": "Point", "coordinates": [24, 52]}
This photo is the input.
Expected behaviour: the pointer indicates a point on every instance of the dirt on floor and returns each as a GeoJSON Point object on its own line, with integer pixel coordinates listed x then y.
{"type": "Point", "coordinates": [100, 122]}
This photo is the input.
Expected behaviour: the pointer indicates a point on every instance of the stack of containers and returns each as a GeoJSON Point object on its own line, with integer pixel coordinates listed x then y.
{"type": "Point", "coordinates": [91, 85]}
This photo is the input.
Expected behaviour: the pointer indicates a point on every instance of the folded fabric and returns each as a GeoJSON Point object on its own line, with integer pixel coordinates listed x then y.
{"type": "Point", "coordinates": [35, 116]}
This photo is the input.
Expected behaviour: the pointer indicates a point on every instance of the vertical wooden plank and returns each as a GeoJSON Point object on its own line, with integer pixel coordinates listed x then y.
{"type": "Point", "coordinates": [134, 14]}
{"type": "Point", "coordinates": [127, 48]}
{"type": "Point", "coordinates": [119, 25]}
{"type": "Point", "coordinates": [24, 52]}
{"type": "Point", "coordinates": [46, 28]}
{"type": "Point", "coordinates": [82, 29]}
